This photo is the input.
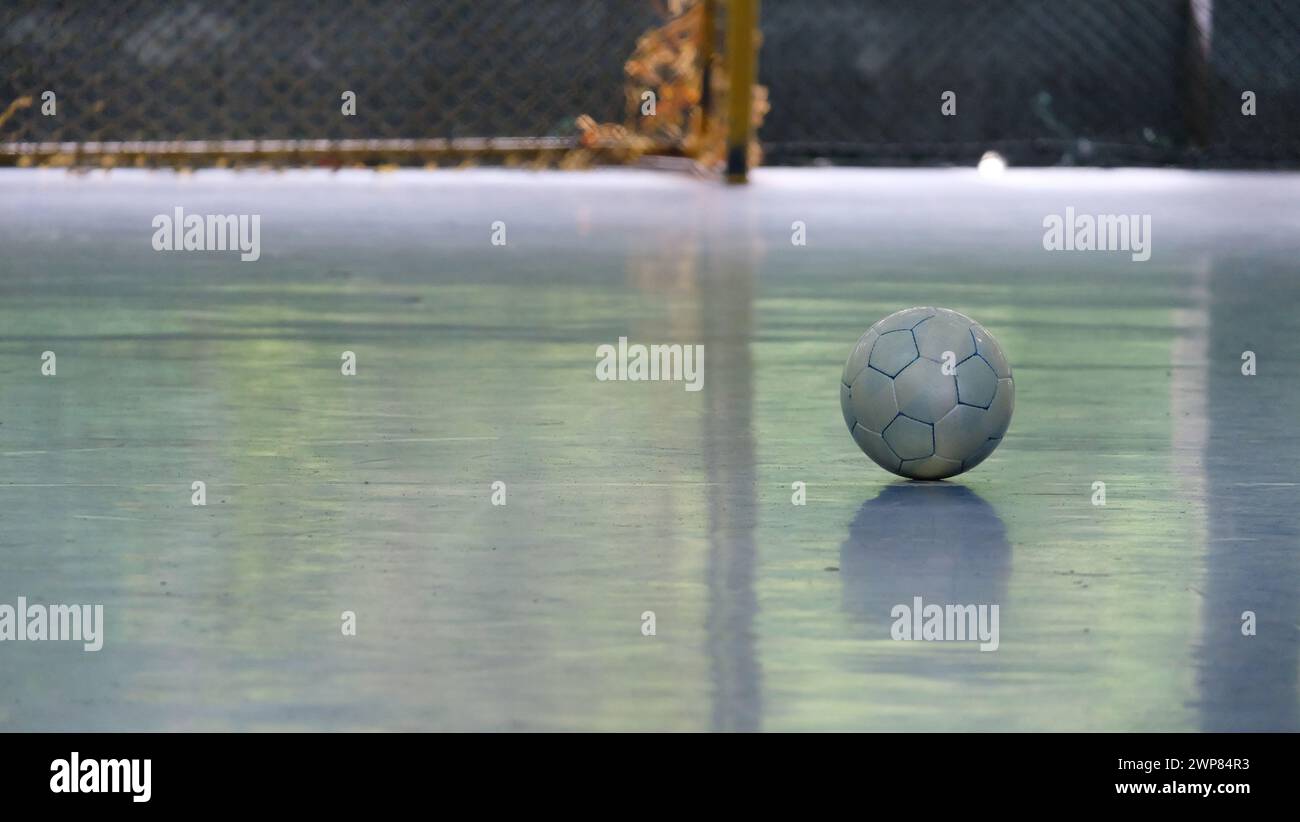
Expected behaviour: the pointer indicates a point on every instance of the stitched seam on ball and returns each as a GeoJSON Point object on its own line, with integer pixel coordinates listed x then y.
{"type": "Point", "coordinates": [913, 419]}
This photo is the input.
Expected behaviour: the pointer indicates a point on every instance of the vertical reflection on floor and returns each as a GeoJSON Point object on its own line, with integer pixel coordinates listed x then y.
{"type": "Point", "coordinates": [1189, 416]}
{"type": "Point", "coordinates": [1248, 683]}
{"type": "Point", "coordinates": [727, 300]}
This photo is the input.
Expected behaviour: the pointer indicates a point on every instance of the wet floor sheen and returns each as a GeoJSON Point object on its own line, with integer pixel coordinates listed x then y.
{"type": "Point", "coordinates": [476, 364]}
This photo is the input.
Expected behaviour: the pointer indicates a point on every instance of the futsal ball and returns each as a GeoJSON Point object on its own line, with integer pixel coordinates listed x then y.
{"type": "Point", "coordinates": [927, 393]}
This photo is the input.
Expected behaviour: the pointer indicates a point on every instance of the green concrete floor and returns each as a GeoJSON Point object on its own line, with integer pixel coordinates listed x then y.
{"type": "Point", "coordinates": [476, 364]}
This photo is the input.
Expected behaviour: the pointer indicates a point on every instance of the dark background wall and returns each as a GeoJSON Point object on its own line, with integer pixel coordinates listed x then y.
{"type": "Point", "coordinates": [1089, 82]}
{"type": "Point", "coordinates": [1042, 81]}
{"type": "Point", "coordinates": [275, 69]}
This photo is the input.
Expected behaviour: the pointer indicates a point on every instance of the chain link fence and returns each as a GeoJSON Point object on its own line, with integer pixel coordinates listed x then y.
{"type": "Point", "coordinates": [1253, 45]}
{"type": "Point", "coordinates": [446, 73]}
{"type": "Point", "coordinates": [1095, 82]}
{"type": "Point", "coordinates": [1044, 82]}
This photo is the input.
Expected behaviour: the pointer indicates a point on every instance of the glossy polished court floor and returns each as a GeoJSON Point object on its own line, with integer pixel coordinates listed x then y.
{"type": "Point", "coordinates": [476, 364]}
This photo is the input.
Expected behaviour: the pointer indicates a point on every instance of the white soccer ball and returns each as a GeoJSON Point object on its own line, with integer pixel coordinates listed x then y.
{"type": "Point", "coordinates": [927, 393]}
